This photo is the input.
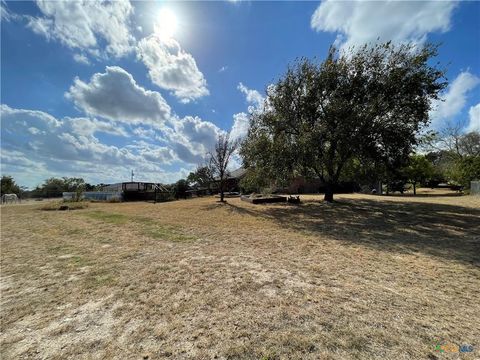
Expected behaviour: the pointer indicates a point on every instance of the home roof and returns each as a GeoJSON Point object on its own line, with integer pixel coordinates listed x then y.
{"type": "Point", "coordinates": [238, 173]}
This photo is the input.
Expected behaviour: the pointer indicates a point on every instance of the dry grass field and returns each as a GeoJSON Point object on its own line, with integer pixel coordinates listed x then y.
{"type": "Point", "coordinates": [368, 277]}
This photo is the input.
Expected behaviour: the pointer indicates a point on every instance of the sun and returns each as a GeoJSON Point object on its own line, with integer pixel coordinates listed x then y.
{"type": "Point", "coordinates": [166, 24]}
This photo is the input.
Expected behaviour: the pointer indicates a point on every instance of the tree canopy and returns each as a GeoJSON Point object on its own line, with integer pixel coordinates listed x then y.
{"type": "Point", "coordinates": [367, 103]}
{"type": "Point", "coordinates": [9, 186]}
{"type": "Point", "coordinates": [201, 177]}
{"type": "Point", "coordinates": [418, 171]}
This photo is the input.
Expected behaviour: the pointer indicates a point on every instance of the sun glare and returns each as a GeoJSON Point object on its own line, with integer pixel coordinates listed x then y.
{"type": "Point", "coordinates": [166, 24]}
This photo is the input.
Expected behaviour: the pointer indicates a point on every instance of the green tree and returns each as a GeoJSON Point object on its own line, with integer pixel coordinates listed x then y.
{"type": "Point", "coordinates": [9, 186]}
{"type": "Point", "coordinates": [369, 104]}
{"type": "Point", "coordinates": [253, 181]}
{"type": "Point", "coordinates": [466, 170]}
{"type": "Point", "coordinates": [180, 189]}
{"type": "Point", "coordinates": [201, 177]}
{"type": "Point", "coordinates": [456, 155]}
{"type": "Point", "coordinates": [54, 187]}
{"type": "Point", "coordinates": [418, 171]}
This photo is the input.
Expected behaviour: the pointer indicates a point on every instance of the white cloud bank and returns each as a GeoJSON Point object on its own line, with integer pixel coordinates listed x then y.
{"type": "Point", "coordinates": [172, 68]}
{"type": "Point", "coordinates": [116, 96]}
{"type": "Point", "coordinates": [453, 100]}
{"type": "Point", "coordinates": [83, 25]}
{"type": "Point", "coordinates": [474, 119]}
{"type": "Point", "coordinates": [360, 22]}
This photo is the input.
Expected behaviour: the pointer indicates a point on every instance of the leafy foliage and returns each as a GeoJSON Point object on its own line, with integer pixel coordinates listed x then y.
{"type": "Point", "coordinates": [418, 171]}
{"type": "Point", "coordinates": [9, 186]}
{"type": "Point", "coordinates": [180, 189]}
{"type": "Point", "coordinates": [367, 104]}
{"type": "Point", "coordinates": [456, 156]}
{"type": "Point", "coordinates": [201, 177]}
{"type": "Point", "coordinates": [466, 170]}
{"type": "Point", "coordinates": [54, 187]}
{"type": "Point", "coordinates": [253, 181]}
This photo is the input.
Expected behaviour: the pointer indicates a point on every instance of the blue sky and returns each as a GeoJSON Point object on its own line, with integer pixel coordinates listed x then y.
{"type": "Point", "coordinates": [97, 89]}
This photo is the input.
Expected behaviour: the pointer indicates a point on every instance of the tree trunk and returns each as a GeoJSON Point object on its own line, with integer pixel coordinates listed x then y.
{"type": "Point", "coordinates": [221, 191]}
{"type": "Point", "coordinates": [328, 193]}
{"type": "Point", "coordinates": [414, 188]}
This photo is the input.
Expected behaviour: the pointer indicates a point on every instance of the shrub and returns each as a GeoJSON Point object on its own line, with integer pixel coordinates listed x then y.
{"type": "Point", "coordinates": [64, 205]}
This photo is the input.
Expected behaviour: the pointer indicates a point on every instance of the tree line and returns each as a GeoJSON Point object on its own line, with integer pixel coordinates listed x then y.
{"type": "Point", "coordinates": [50, 188]}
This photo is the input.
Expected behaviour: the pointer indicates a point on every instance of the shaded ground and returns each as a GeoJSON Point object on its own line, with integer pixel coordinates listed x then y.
{"type": "Point", "coordinates": [367, 277]}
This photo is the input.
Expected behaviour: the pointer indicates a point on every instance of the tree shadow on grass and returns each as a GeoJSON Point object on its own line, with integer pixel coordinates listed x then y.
{"type": "Point", "coordinates": [411, 195]}
{"type": "Point", "coordinates": [447, 231]}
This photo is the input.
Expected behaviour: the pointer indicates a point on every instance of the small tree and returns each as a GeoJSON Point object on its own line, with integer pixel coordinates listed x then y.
{"type": "Point", "coordinates": [180, 189]}
{"type": "Point", "coordinates": [456, 155]}
{"type": "Point", "coordinates": [8, 186]}
{"type": "Point", "coordinates": [418, 171]}
{"type": "Point", "coordinates": [220, 158]}
{"type": "Point", "coordinates": [201, 177]}
{"type": "Point", "coordinates": [466, 170]}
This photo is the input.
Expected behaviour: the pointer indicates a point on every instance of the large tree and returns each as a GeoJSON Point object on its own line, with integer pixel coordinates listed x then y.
{"type": "Point", "coordinates": [367, 103]}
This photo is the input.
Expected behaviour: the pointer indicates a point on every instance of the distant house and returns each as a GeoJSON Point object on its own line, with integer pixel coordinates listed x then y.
{"type": "Point", "coordinates": [137, 191]}
{"type": "Point", "coordinates": [233, 181]}
{"type": "Point", "coordinates": [199, 191]}
{"type": "Point", "coordinates": [302, 185]}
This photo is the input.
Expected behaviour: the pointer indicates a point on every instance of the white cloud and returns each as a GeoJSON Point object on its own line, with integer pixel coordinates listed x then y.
{"type": "Point", "coordinates": [115, 95]}
{"type": "Point", "coordinates": [223, 68]}
{"type": "Point", "coordinates": [454, 99]}
{"type": "Point", "coordinates": [5, 13]}
{"type": "Point", "coordinates": [87, 126]}
{"type": "Point", "coordinates": [86, 24]}
{"type": "Point", "coordinates": [67, 139]}
{"type": "Point", "coordinates": [192, 138]}
{"type": "Point", "coordinates": [474, 118]}
{"type": "Point", "coordinates": [144, 133]}
{"type": "Point", "coordinates": [240, 126]}
{"type": "Point", "coordinates": [241, 121]}
{"type": "Point", "coordinates": [171, 68]}
{"type": "Point", "coordinates": [360, 22]}
{"type": "Point", "coordinates": [252, 96]}
{"type": "Point", "coordinates": [81, 59]}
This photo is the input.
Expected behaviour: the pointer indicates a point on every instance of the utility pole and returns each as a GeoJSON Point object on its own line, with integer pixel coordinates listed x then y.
{"type": "Point", "coordinates": [132, 175]}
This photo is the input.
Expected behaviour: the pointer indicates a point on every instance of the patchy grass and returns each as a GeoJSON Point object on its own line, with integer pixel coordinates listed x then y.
{"type": "Point", "coordinates": [368, 277]}
{"type": "Point", "coordinates": [167, 233]}
{"type": "Point", "coordinates": [110, 218]}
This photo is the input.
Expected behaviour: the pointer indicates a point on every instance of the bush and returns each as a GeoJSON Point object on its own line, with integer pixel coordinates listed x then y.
{"type": "Point", "coordinates": [64, 205]}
